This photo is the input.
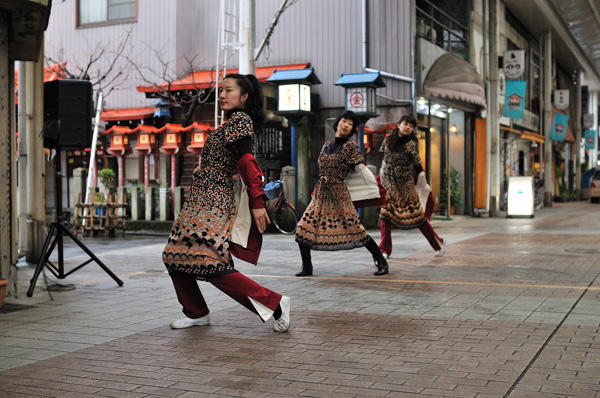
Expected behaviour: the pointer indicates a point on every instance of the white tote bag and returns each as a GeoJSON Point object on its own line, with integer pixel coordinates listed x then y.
{"type": "Point", "coordinates": [423, 189]}
{"type": "Point", "coordinates": [361, 184]}
{"type": "Point", "coordinates": [243, 217]}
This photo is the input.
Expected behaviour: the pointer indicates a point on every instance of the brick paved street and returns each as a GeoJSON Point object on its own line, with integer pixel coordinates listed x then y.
{"type": "Point", "coordinates": [512, 309]}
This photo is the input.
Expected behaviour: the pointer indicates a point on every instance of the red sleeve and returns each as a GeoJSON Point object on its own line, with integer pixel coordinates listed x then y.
{"type": "Point", "coordinates": [252, 175]}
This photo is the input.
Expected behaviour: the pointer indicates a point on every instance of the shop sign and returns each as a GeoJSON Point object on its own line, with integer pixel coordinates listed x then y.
{"type": "Point", "coordinates": [559, 127]}
{"type": "Point", "coordinates": [513, 64]}
{"type": "Point", "coordinates": [588, 120]}
{"type": "Point", "coordinates": [529, 121]}
{"type": "Point", "coordinates": [561, 99]}
{"type": "Point", "coordinates": [514, 102]}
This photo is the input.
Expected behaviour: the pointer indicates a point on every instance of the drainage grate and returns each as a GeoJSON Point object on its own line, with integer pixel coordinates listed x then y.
{"type": "Point", "coordinates": [8, 308]}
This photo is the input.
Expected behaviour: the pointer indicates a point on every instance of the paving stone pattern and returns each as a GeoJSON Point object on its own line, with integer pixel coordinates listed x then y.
{"type": "Point", "coordinates": [512, 310]}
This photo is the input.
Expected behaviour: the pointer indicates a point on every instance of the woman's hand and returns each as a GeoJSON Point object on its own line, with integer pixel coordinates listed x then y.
{"type": "Point", "coordinates": [261, 218]}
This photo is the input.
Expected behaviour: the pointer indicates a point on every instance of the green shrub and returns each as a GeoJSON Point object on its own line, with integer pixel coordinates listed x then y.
{"type": "Point", "coordinates": [107, 176]}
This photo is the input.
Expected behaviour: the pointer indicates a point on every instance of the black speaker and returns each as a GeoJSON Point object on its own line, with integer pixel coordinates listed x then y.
{"type": "Point", "coordinates": [68, 113]}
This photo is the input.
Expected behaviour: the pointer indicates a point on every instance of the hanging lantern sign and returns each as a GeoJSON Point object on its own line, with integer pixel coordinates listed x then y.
{"type": "Point", "coordinates": [588, 120]}
{"type": "Point", "coordinates": [513, 64]}
{"type": "Point", "coordinates": [561, 99]}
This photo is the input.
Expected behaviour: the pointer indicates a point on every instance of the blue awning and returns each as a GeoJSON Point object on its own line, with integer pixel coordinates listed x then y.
{"type": "Point", "coordinates": [370, 79]}
{"type": "Point", "coordinates": [307, 76]}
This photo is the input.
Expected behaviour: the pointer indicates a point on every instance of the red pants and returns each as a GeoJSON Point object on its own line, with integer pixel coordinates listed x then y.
{"type": "Point", "coordinates": [426, 229]}
{"type": "Point", "coordinates": [235, 285]}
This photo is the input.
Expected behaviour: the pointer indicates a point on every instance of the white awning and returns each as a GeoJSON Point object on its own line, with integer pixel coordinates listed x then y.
{"type": "Point", "coordinates": [455, 79]}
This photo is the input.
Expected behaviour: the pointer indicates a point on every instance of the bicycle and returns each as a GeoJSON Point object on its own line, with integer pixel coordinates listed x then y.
{"type": "Point", "coordinates": [281, 212]}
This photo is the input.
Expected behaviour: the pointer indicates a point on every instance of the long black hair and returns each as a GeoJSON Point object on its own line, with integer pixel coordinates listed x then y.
{"type": "Point", "coordinates": [348, 115]}
{"type": "Point", "coordinates": [395, 140]}
{"type": "Point", "coordinates": [250, 85]}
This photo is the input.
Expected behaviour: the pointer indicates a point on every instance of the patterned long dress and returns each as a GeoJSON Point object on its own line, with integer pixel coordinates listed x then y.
{"type": "Point", "coordinates": [200, 237]}
{"type": "Point", "coordinates": [402, 207]}
{"type": "Point", "coordinates": [330, 222]}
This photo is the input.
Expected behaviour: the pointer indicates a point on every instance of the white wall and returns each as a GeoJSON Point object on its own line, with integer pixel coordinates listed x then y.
{"type": "Point", "coordinates": [154, 29]}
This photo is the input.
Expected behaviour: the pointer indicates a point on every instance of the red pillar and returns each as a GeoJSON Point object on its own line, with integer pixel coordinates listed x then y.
{"type": "Point", "coordinates": [146, 170]}
{"type": "Point", "coordinates": [173, 173]}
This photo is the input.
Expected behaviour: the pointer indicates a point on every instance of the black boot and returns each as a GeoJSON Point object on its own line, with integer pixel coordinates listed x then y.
{"type": "Point", "coordinates": [307, 267]}
{"type": "Point", "coordinates": [380, 261]}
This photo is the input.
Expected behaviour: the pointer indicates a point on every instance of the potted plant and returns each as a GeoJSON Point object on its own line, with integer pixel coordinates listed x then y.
{"type": "Point", "coordinates": [455, 190]}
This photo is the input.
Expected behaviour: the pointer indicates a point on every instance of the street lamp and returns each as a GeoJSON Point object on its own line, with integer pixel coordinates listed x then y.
{"type": "Point", "coordinates": [146, 144]}
{"type": "Point", "coordinates": [200, 132]}
{"type": "Point", "coordinates": [293, 102]}
{"type": "Point", "coordinates": [161, 109]}
{"type": "Point", "coordinates": [119, 147]}
{"type": "Point", "coordinates": [360, 97]}
{"type": "Point", "coordinates": [172, 145]}
{"type": "Point", "coordinates": [293, 99]}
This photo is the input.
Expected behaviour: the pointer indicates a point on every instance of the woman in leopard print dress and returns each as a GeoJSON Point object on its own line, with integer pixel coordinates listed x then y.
{"type": "Point", "coordinates": [200, 246]}
{"type": "Point", "coordinates": [401, 163]}
{"type": "Point", "coordinates": [330, 222]}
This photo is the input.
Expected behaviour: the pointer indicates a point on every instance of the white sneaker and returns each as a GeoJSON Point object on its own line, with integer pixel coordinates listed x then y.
{"type": "Point", "coordinates": [283, 323]}
{"type": "Point", "coordinates": [442, 251]}
{"type": "Point", "coordinates": [189, 322]}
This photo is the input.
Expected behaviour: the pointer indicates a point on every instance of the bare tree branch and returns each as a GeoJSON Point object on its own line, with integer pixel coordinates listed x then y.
{"type": "Point", "coordinates": [269, 31]}
{"type": "Point", "coordinates": [162, 81]}
{"type": "Point", "coordinates": [104, 76]}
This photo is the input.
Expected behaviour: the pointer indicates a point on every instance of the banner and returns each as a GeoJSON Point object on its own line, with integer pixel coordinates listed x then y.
{"type": "Point", "coordinates": [514, 101]}
{"type": "Point", "coordinates": [590, 139]}
{"type": "Point", "coordinates": [559, 127]}
{"type": "Point", "coordinates": [513, 64]}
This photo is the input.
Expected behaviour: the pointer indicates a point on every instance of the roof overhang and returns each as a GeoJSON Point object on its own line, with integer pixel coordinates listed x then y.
{"type": "Point", "coordinates": [28, 20]}
{"type": "Point", "coordinates": [113, 115]}
{"type": "Point", "coordinates": [202, 79]}
{"type": "Point", "coordinates": [541, 17]}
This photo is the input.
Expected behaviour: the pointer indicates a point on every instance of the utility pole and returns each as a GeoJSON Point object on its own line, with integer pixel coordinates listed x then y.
{"type": "Point", "coordinates": [246, 37]}
{"type": "Point", "coordinates": [548, 182]}
{"type": "Point", "coordinates": [577, 184]}
{"type": "Point", "coordinates": [493, 127]}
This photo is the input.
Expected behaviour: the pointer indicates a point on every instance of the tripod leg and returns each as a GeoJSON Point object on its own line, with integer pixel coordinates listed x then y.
{"type": "Point", "coordinates": [42, 263]}
{"type": "Point", "coordinates": [92, 255]}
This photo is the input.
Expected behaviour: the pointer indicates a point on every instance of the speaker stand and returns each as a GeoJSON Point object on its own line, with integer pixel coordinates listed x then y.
{"type": "Point", "coordinates": [55, 238]}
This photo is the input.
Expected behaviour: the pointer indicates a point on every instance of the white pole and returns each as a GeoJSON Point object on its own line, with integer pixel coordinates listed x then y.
{"type": "Point", "coordinates": [93, 149]}
{"type": "Point", "coordinates": [246, 37]}
{"type": "Point", "coordinates": [219, 40]}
